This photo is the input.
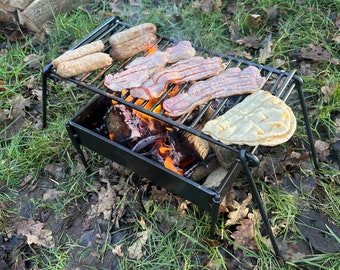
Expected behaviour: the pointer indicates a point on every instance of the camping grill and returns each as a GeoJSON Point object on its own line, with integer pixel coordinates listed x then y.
{"type": "Point", "coordinates": [279, 83]}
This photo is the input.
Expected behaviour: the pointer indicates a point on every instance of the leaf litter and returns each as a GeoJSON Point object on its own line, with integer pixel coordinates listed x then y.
{"type": "Point", "coordinates": [109, 193]}
{"type": "Point", "coordinates": [35, 233]}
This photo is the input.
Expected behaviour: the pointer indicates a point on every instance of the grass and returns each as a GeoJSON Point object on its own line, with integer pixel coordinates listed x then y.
{"type": "Point", "coordinates": [185, 245]}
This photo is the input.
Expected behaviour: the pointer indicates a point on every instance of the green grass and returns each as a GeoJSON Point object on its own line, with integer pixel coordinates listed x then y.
{"type": "Point", "coordinates": [185, 245]}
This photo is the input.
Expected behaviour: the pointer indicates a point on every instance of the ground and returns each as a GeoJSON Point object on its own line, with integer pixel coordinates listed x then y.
{"type": "Point", "coordinates": [55, 216]}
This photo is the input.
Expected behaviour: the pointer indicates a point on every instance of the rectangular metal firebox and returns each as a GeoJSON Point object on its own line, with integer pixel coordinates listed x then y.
{"type": "Point", "coordinates": [278, 82]}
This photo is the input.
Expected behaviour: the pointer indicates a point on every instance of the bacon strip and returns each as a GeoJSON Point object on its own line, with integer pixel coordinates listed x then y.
{"type": "Point", "coordinates": [188, 70]}
{"type": "Point", "coordinates": [142, 68]}
{"type": "Point", "coordinates": [230, 82]}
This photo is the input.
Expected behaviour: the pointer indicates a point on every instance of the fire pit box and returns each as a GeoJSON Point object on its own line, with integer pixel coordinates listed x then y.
{"type": "Point", "coordinates": [82, 134]}
{"type": "Point", "coordinates": [278, 82]}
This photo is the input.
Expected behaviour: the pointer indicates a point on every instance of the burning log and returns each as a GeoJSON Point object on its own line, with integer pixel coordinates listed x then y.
{"type": "Point", "coordinates": [150, 137]}
{"type": "Point", "coordinates": [200, 146]}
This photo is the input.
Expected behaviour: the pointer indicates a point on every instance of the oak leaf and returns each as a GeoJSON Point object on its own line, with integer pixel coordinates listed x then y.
{"type": "Point", "coordinates": [240, 212]}
{"type": "Point", "coordinates": [35, 233]}
{"type": "Point", "coordinates": [245, 234]}
{"type": "Point", "coordinates": [105, 202]}
{"type": "Point", "coordinates": [135, 251]}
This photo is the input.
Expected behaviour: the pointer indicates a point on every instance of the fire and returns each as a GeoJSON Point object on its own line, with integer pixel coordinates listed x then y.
{"type": "Point", "coordinates": [168, 163]}
{"type": "Point", "coordinates": [163, 150]}
{"type": "Point", "coordinates": [150, 121]}
{"type": "Point", "coordinates": [175, 90]}
{"type": "Point", "coordinates": [151, 49]}
{"type": "Point", "coordinates": [166, 151]}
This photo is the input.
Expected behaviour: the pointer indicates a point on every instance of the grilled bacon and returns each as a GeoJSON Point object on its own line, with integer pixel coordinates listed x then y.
{"type": "Point", "coordinates": [230, 82]}
{"type": "Point", "coordinates": [188, 70]}
{"type": "Point", "coordinates": [140, 69]}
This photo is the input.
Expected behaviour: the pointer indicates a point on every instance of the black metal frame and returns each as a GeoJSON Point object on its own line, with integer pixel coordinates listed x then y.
{"type": "Point", "coordinates": [203, 197]}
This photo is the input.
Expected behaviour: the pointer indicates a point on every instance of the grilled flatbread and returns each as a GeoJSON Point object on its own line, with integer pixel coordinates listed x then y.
{"type": "Point", "coordinates": [260, 119]}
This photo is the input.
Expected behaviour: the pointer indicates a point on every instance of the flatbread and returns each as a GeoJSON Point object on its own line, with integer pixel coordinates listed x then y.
{"type": "Point", "coordinates": [260, 119]}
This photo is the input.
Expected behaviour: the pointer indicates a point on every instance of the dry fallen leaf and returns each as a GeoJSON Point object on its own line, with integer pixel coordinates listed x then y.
{"type": "Point", "coordinates": [249, 41]}
{"type": "Point", "coordinates": [159, 195]}
{"type": "Point", "coordinates": [254, 21]}
{"type": "Point", "coordinates": [12, 120]}
{"type": "Point", "coordinates": [317, 53]}
{"type": "Point", "coordinates": [328, 91]}
{"type": "Point", "coordinates": [135, 251]}
{"type": "Point", "coordinates": [265, 53]}
{"type": "Point", "coordinates": [207, 6]}
{"type": "Point", "coordinates": [322, 149]}
{"type": "Point", "coordinates": [33, 61]}
{"type": "Point", "coordinates": [105, 202]}
{"type": "Point", "coordinates": [240, 213]}
{"type": "Point", "coordinates": [245, 234]}
{"type": "Point", "coordinates": [35, 233]}
{"type": "Point", "coordinates": [52, 194]}
{"type": "Point", "coordinates": [118, 251]}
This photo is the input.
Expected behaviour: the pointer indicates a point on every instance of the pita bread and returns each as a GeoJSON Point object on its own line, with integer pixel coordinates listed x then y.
{"type": "Point", "coordinates": [260, 119]}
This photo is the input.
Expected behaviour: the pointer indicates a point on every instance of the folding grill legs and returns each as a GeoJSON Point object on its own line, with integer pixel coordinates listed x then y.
{"type": "Point", "coordinates": [245, 163]}
{"type": "Point", "coordinates": [215, 210]}
{"type": "Point", "coordinates": [307, 124]}
{"type": "Point", "coordinates": [73, 136]}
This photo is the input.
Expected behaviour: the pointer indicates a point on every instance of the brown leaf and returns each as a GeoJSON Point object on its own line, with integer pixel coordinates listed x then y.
{"type": "Point", "coordinates": [207, 6]}
{"type": "Point", "coordinates": [135, 251]}
{"type": "Point", "coordinates": [12, 120]}
{"type": "Point", "coordinates": [35, 233]}
{"type": "Point", "coordinates": [322, 149]}
{"type": "Point", "coordinates": [2, 87]}
{"type": "Point", "coordinates": [245, 234]}
{"type": "Point", "coordinates": [52, 194]}
{"type": "Point", "coordinates": [105, 202]}
{"type": "Point", "coordinates": [250, 42]}
{"type": "Point", "coordinates": [265, 53]}
{"type": "Point", "coordinates": [328, 91]}
{"type": "Point", "coordinates": [118, 251]}
{"type": "Point", "coordinates": [33, 61]}
{"type": "Point", "coordinates": [254, 21]}
{"type": "Point", "coordinates": [240, 213]}
{"type": "Point", "coordinates": [159, 195]}
{"type": "Point", "coordinates": [317, 53]}
{"type": "Point", "coordinates": [337, 22]}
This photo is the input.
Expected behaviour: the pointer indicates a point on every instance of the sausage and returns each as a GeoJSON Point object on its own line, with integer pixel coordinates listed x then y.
{"type": "Point", "coordinates": [132, 33]}
{"type": "Point", "coordinates": [132, 41]}
{"type": "Point", "coordinates": [132, 47]}
{"type": "Point", "coordinates": [84, 64]}
{"type": "Point", "coordinates": [93, 47]}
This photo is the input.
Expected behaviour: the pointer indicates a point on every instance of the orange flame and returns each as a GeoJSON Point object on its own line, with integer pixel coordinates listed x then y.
{"type": "Point", "coordinates": [168, 163]}
{"type": "Point", "coordinates": [164, 150]}
{"type": "Point", "coordinates": [111, 136]}
{"type": "Point", "coordinates": [151, 49]}
{"type": "Point", "coordinates": [150, 121]}
{"type": "Point", "coordinates": [175, 90]}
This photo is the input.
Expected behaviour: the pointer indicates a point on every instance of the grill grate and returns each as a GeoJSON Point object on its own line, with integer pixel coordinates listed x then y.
{"type": "Point", "coordinates": [278, 82]}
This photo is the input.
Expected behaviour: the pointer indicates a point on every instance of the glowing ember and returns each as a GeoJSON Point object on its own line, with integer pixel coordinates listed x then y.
{"type": "Point", "coordinates": [175, 90]}
{"type": "Point", "coordinates": [146, 135]}
{"type": "Point", "coordinates": [168, 163]}
{"type": "Point", "coordinates": [152, 49]}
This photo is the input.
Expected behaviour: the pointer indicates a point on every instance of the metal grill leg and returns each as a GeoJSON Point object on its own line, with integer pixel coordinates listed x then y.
{"type": "Point", "coordinates": [44, 99]}
{"type": "Point", "coordinates": [214, 213]}
{"type": "Point", "coordinates": [76, 145]}
{"type": "Point", "coordinates": [308, 128]}
{"type": "Point", "coordinates": [258, 200]}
